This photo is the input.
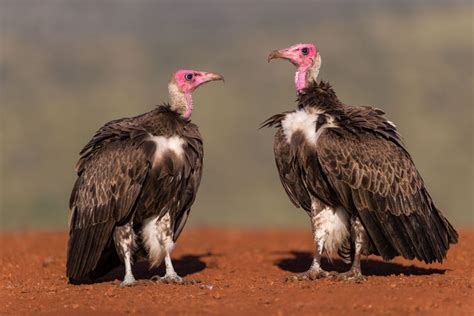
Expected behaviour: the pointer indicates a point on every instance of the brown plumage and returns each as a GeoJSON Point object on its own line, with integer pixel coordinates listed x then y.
{"type": "Point", "coordinates": [118, 182]}
{"type": "Point", "coordinates": [356, 160]}
{"type": "Point", "coordinates": [137, 180]}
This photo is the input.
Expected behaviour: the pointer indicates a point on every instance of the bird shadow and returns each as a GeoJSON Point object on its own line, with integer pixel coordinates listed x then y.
{"type": "Point", "coordinates": [300, 261]}
{"type": "Point", "coordinates": [184, 266]}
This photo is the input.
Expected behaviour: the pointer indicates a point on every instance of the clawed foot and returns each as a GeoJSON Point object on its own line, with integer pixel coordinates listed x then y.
{"type": "Point", "coordinates": [352, 275]}
{"type": "Point", "coordinates": [174, 279]}
{"type": "Point", "coordinates": [312, 274]}
{"type": "Point", "coordinates": [132, 282]}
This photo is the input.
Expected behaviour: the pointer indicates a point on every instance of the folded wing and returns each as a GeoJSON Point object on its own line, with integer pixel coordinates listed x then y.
{"type": "Point", "coordinates": [376, 177]}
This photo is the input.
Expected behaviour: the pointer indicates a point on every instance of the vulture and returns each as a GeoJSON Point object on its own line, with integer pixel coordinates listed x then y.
{"type": "Point", "coordinates": [348, 168]}
{"type": "Point", "coordinates": [137, 179]}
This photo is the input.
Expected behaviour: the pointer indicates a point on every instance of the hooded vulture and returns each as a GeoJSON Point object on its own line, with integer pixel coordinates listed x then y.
{"type": "Point", "coordinates": [137, 180]}
{"type": "Point", "coordinates": [348, 168]}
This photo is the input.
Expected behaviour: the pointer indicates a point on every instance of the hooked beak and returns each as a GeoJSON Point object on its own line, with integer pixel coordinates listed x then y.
{"type": "Point", "coordinates": [205, 77]}
{"type": "Point", "coordinates": [210, 76]}
{"type": "Point", "coordinates": [275, 54]}
{"type": "Point", "coordinates": [282, 53]}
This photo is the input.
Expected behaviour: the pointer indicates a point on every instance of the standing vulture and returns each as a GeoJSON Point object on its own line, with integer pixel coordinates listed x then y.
{"type": "Point", "coordinates": [347, 167]}
{"type": "Point", "coordinates": [137, 179]}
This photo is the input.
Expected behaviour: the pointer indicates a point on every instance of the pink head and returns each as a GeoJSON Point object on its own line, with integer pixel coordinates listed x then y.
{"type": "Point", "coordinates": [183, 83]}
{"type": "Point", "coordinates": [305, 57]}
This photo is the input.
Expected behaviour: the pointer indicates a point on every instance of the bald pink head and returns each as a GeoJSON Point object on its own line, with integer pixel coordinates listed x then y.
{"type": "Point", "coordinates": [188, 80]}
{"type": "Point", "coordinates": [305, 57]}
{"type": "Point", "coordinates": [182, 84]}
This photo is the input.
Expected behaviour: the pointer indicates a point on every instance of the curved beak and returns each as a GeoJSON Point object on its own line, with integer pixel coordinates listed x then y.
{"type": "Point", "coordinates": [211, 76]}
{"type": "Point", "coordinates": [284, 53]}
{"type": "Point", "coordinates": [204, 77]}
{"type": "Point", "coordinates": [276, 54]}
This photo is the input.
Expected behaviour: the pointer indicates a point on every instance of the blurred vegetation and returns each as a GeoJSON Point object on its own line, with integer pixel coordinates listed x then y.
{"type": "Point", "coordinates": [67, 67]}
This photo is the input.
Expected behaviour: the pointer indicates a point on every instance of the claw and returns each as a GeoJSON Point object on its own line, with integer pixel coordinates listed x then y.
{"type": "Point", "coordinates": [128, 280]}
{"type": "Point", "coordinates": [311, 275]}
{"type": "Point", "coordinates": [191, 281]}
{"type": "Point", "coordinates": [130, 283]}
{"type": "Point", "coordinates": [127, 284]}
{"type": "Point", "coordinates": [352, 276]}
{"type": "Point", "coordinates": [174, 279]}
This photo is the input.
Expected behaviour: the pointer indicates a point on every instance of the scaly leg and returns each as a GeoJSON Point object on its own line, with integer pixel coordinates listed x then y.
{"type": "Point", "coordinates": [319, 236]}
{"type": "Point", "coordinates": [360, 238]}
{"type": "Point", "coordinates": [171, 277]}
{"type": "Point", "coordinates": [124, 239]}
{"type": "Point", "coordinates": [164, 240]}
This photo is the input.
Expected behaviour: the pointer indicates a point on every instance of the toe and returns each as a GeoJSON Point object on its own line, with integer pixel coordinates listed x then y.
{"type": "Point", "coordinates": [296, 277]}
{"type": "Point", "coordinates": [303, 276]}
{"type": "Point", "coordinates": [291, 278]}
{"type": "Point", "coordinates": [174, 279]}
{"type": "Point", "coordinates": [192, 281]}
{"type": "Point", "coordinates": [311, 275]}
{"type": "Point", "coordinates": [360, 278]}
{"type": "Point", "coordinates": [352, 276]}
{"type": "Point", "coordinates": [333, 275]}
{"type": "Point", "coordinates": [127, 283]}
{"type": "Point", "coordinates": [155, 278]}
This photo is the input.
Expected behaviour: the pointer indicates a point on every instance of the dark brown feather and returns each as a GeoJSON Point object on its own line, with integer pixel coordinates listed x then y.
{"type": "Point", "coordinates": [117, 183]}
{"type": "Point", "coordinates": [362, 165]}
{"type": "Point", "coordinates": [392, 196]}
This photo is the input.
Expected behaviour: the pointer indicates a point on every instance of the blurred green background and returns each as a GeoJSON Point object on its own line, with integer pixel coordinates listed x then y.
{"type": "Point", "coordinates": [67, 67]}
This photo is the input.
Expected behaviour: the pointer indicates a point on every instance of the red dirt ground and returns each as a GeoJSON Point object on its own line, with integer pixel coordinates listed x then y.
{"type": "Point", "coordinates": [242, 271]}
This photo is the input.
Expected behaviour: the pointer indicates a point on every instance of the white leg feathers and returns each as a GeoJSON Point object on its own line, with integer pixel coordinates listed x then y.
{"type": "Point", "coordinates": [330, 230]}
{"type": "Point", "coordinates": [157, 237]}
{"type": "Point", "coordinates": [158, 240]}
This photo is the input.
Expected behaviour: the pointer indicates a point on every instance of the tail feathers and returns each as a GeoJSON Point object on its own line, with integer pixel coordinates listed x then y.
{"type": "Point", "coordinates": [426, 238]}
{"type": "Point", "coordinates": [410, 227]}
{"type": "Point", "coordinates": [452, 233]}
{"type": "Point", "coordinates": [85, 249]}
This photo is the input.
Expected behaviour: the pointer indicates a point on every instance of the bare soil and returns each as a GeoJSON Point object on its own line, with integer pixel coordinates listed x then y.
{"type": "Point", "coordinates": [242, 272]}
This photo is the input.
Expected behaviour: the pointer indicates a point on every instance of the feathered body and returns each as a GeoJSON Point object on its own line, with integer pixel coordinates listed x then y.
{"type": "Point", "coordinates": [348, 168]}
{"type": "Point", "coordinates": [132, 171]}
{"type": "Point", "coordinates": [137, 179]}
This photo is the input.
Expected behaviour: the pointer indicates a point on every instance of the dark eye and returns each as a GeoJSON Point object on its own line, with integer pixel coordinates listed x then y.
{"type": "Point", "coordinates": [304, 50]}
{"type": "Point", "coordinates": [188, 76]}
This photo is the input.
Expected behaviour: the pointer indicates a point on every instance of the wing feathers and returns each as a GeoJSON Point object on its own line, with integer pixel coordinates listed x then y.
{"type": "Point", "coordinates": [85, 247]}
{"type": "Point", "coordinates": [388, 193]}
{"type": "Point", "coordinates": [110, 181]}
{"type": "Point", "coordinates": [363, 165]}
{"type": "Point", "coordinates": [118, 174]}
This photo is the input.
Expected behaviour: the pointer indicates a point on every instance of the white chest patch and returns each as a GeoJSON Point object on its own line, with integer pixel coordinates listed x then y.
{"type": "Point", "coordinates": [167, 144]}
{"type": "Point", "coordinates": [300, 121]}
{"type": "Point", "coordinates": [305, 122]}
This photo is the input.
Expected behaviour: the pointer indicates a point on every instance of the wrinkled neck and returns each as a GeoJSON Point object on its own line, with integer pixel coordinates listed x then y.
{"type": "Point", "coordinates": [307, 74]}
{"type": "Point", "coordinates": [300, 78]}
{"type": "Point", "coordinates": [189, 106]}
{"type": "Point", "coordinates": [181, 103]}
